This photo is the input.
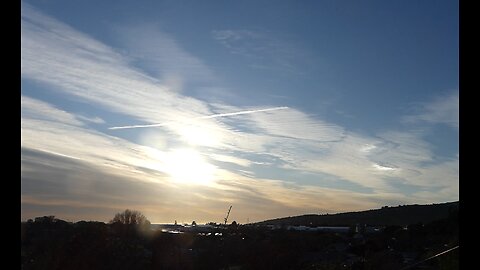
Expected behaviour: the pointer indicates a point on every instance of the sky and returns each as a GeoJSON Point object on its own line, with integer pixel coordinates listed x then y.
{"type": "Point", "coordinates": [179, 109]}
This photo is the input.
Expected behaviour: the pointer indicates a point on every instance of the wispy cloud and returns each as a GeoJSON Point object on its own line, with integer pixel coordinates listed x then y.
{"type": "Point", "coordinates": [240, 41]}
{"type": "Point", "coordinates": [36, 109]}
{"type": "Point", "coordinates": [297, 125]}
{"type": "Point", "coordinates": [441, 110]}
{"type": "Point", "coordinates": [67, 139]}
{"type": "Point", "coordinates": [262, 49]}
{"type": "Point", "coordinates": [159, 55]}
{"type": "Point", "coordinates": [231, 159]}
{"type": "Point", "coordinates": [96, 119]}
{"type": "Point", "coordinates": [78, 65]}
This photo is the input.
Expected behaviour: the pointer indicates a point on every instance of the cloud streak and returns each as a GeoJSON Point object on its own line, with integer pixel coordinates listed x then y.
{"type": "Point", "coordinates": [263, 49]}
{"type": "Point", "coordinates": [441, 110]}
{"type": "Point", "coordinates": [205, 117]}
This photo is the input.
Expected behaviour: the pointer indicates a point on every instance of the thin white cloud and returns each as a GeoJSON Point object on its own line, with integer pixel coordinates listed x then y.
{"type": "Point", "coordinates": [263, 49]}
{"type": "Point", "coordinates": [345, 159]}
{"type": "Point", "coordinates": [382, 168]}
{"type": "Point", "coordinates": [57, 154]}
{"type": "Point", "coordinates": [231, 159]}
{"type": "Point", "coordinates": [80, 143]}
{"type": "Point", "coordinates": [405, 147]}
{"type": "Point", "coordinates": [297, 125]}
{"type": "Point", "coordinates": [239, 41]}
{"type": "Point", "coordinates": [36, 109]}
{"type": "Point", "coordinates": [444, 175]}
{"type": "Point", "coordinates": [57, 54]}
{"type": "Point", "coordinates": [161, 56]}
{"type": "Point", "coordinates": [96, 119]}
{"type": "Point", "coordinates": [441, 110]}
{"type": "Point", "coordinates": [43, 130]}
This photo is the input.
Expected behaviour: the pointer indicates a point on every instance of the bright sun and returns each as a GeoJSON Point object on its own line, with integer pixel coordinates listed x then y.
{"type": "Point", "coordinates": [189, 167]}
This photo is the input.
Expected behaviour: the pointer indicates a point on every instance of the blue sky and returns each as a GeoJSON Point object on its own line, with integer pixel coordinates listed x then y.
{"type": "Point", "coordinates": [278, 108]}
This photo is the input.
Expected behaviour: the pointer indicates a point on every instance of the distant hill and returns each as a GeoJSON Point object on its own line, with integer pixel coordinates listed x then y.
{"type": "Point", "coordinates": [398, 215]}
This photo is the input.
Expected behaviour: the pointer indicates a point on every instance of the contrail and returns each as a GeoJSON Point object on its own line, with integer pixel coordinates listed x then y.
{"type": "Point", "coordinates": [242, 112]}
{"type": "Point", "coordinates": [205, 117]}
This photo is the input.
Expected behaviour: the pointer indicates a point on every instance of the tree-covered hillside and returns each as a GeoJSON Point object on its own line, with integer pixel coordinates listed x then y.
{"type": "Point", "coordinates": [399, 215]}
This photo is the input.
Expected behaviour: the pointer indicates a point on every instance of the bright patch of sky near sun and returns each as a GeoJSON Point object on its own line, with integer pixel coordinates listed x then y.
{"type": "Point", "coordinates": [278, 107]}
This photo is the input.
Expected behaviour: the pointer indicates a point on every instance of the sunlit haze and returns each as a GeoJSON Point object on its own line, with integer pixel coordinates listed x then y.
{"type": "Point", "coordinates": [179, 109]}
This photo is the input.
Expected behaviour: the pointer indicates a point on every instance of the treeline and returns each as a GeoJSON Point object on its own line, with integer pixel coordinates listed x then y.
{"type": "Point", "coordinates": [401, 215]}
{"type": "Point", "coordinates": [50, 243]}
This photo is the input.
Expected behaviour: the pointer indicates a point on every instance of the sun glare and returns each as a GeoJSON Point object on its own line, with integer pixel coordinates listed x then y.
{"type": "Point", "coordinates": [187, 166]}
{"type": "Point", "coordinates": [194, 134]}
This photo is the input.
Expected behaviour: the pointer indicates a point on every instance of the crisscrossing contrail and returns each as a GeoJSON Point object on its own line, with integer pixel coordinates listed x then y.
{"type": "Point", "coordinates": [204, 117]}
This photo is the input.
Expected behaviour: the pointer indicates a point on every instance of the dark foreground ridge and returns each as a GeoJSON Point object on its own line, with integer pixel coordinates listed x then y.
{"type": "Point", "coordinates": [50, 243]}
{"type": "Point", "coordinates": [386, 216]}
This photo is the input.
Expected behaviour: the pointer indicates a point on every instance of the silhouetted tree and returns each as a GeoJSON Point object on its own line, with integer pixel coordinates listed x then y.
{"type": "Point", "coordinates": [130, 217]}
{"type": "Point", "coordinates": [233, 226]}
{"type": "Point", "coordinates": [45, 219]}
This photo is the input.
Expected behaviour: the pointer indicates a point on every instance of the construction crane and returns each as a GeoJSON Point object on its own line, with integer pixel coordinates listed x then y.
{"type": "Point", "coordinates": [228, 213]}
